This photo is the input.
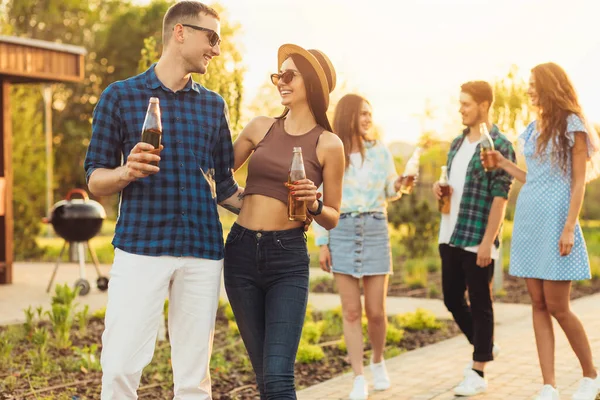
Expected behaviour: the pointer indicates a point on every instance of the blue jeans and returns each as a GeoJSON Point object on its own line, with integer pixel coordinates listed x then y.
{"type": "Point", "coordinates": [266, 278]}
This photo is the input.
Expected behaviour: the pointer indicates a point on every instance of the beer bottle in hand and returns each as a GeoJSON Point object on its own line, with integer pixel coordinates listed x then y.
{"type": "Point", "coordinates": [410, 172]}
{"type": "Point", "coordinates": [487, 145]}
{"type": "Point", "coordinates": [152, 129]}
{"type": "Point", "coordinates": [296, 209]}
{"type": "Point", "coordinates": [444, 201]}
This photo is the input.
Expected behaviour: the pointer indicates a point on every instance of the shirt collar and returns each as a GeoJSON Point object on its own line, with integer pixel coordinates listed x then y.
{"type": "Point", "coordinates": [152, 82]}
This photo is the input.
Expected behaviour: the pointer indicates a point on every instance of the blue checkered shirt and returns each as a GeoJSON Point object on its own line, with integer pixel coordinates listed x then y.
{"type": "Point", "coordinates": [173, 212]}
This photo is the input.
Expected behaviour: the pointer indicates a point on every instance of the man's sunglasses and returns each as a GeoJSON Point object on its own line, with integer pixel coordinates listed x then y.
{"type": "Point", "coordinates": [286, 77]}
{"type": "Point", "coordinates": [213, 37]}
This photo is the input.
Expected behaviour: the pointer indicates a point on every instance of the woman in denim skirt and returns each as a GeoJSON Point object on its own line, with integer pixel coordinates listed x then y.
{"type": "Point", "coordinates": [266, 258]}
{"type": "Point", "coordinates": [359, 247]}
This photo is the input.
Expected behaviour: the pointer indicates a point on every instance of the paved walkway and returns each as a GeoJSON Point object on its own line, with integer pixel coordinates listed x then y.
{"type": "Point", "coordinates": [31, 279]}
{"type": "Point", "coordinates": [427, 373]}
{"type": "Point", "coordinates": [433, 371]}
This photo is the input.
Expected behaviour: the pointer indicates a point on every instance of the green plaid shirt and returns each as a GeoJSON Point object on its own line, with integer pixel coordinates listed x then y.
{"type": "Point", "coordinates": [480, 189]}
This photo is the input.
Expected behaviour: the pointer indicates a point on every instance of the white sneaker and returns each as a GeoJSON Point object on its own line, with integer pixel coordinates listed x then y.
{"type": "Point", "coordinates": [495, 352]}
{"type": "Point", "coordinates": [548, 392]}
{"type": "Point", "coordinates": [472, 384]}
{"type": "Point", "coordinates": [588, 389]}
{"type": "Point", "coordinates": [381, 381]}
{"type": "Point", "coordinates": [359, 389]}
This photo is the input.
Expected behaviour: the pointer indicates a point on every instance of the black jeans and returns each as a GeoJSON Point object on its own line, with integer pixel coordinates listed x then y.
{"type": "Point", "coordinates": [461, 273]}
{"type": "Point", "coordinates": [266, 278]}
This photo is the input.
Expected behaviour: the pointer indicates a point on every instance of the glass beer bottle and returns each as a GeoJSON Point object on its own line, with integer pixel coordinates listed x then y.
{"type": "Point", "coordinates": [152, 128]}
{"type": "Point", "coordinates": [487, 145]}
{"type": "Point", "coordinates": [444, 201]}
{"type": "Point", "coordinates": [296, 209]}
{"type": "Point", "coordinates": [410, 172]}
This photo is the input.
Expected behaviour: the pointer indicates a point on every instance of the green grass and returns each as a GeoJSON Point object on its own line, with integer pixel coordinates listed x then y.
{"type": "Point", "coordinates": [414, 268]}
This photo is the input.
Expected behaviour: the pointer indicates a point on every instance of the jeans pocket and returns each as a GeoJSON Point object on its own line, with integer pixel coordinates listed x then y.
{"type": "Point", "coordinates": [292, 244]}
{"type": "Point", "coordinates": [233, 237]}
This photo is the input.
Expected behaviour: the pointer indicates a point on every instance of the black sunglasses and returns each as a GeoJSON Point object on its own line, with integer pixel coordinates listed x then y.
{"type": "Point", "coordinates": [213, 37]}
{"type": "Point", "coordinates": [286, 77]}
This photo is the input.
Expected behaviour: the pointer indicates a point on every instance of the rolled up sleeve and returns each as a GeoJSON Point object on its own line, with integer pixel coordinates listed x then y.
{"type": "Point", "coordinates": [105, 148]}
{"type": "Point", "coordinates": [502, 180]}
{"type": "Point", "coordinates": [223, 159]}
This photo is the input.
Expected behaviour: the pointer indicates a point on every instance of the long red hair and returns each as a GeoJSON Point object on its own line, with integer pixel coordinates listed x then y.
{"type": "Point", "coordinates": [557, 100]}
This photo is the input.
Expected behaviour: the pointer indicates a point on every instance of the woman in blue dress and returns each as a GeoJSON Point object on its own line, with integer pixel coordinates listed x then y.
{"type": "Point", "coordinates": [548, 248]}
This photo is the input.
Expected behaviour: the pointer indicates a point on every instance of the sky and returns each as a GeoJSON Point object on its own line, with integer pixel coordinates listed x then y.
{"type": "Point", "coordinates": [400, 54]}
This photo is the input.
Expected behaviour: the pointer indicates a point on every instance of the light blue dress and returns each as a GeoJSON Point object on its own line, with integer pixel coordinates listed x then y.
{"type": "Point", "coordinates": [541, 213]}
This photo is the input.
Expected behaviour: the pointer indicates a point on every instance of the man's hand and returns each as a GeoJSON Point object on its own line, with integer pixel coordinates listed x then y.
{"type": "Point", "coordinates": [484, 255]}
{"type": "Point", "coordinates": [437, 190]}
{"type": "Point", "coordinates": [325, 258]}
{"type": "Point", "coordinates": [138, 162]}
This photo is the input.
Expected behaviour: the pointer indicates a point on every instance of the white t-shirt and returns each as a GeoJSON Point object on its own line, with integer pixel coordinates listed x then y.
{"type": "Point", "coordinates": [457, 178]}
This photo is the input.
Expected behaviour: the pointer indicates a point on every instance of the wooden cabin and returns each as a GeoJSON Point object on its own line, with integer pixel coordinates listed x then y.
{"type": "Point", "coordinates": [25, 61]}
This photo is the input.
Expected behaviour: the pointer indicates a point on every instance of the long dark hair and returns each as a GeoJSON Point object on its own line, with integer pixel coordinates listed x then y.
{"type": "Point", "coordinates": [314, 94]}
{"type": "Point", "coordinates": [557, 100]}
{"type": "Point", "coordinates": [345, 123]}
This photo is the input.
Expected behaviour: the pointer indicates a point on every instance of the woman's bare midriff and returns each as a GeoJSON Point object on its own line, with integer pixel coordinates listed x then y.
{"type": "Point", "coordinates": [262, 213]}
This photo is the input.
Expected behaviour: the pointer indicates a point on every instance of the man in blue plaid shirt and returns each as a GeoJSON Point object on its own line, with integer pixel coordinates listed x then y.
{"type": "Point", "coordinates": [168, 239]}
{"type": "Point", "coordinates": [469, 234]}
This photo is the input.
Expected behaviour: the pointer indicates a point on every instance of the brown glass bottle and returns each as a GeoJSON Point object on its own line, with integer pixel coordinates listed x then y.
{"type": "Point", "coordinates": [444, 201]}
{"type": "Point", "coordinates": [410, 172]}
{"type": "Point", "coordinates": [487, 144]}
{"type": "Point", "coordinates": [152, 129]}
{"type": "Point", "coordinates": [296, 209]}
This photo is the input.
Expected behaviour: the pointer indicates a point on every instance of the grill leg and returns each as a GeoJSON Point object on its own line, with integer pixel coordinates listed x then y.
{"type": "Point", "coordinates": [56, 267]}
{"type": "Point", "coordinates": [81, 252]}
{"type": "Point", "coordinates": [94, 259]}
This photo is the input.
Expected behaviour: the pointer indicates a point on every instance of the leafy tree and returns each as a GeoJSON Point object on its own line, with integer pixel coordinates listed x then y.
{"type": "Point", "coordinates": [420, 221]}
{"type": "Point", "coordinates": [113, 32]}
{"type": "Point", "coordinates": [510, 110]}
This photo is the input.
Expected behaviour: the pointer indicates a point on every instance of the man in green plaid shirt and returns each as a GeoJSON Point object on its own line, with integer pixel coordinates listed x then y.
{"type": "Point", "coordinates": [469, 233]}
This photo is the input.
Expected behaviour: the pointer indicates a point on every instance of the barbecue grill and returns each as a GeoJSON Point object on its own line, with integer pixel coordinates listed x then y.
{"type": "Point", "coordinates": [77, 221]}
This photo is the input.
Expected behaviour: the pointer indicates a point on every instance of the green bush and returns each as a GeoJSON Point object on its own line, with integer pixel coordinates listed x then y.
{"type": "Point", "coordinates": [433, 264]}
{"type": "Point", "coordinates": [6, 348]}
{"type": "Point", "coordinates": [100, 313]}
{"type": "Point", "coordinates": [309, 353]}
{"type": "Point", "coordinates": [433, 290]}
{"type": "Point", "coordinates": [234, 329]}
{"type": "Point", "coordinates": [342, 345]}
{"type": "Point", "coordinates": [333, 324]}
{"type": "Point", "coordinates": [394, 335]}
{"type": "Point", "coordinates": [312, 331]}
{"type": "Point", "coordinates": [416, 275]}
{"type": "Point", "coordinates": [228, 311]}
{"type": "Point", "coordinates": [421, 319]}
{"type": "Point", "coordinates": [62, 315]}
{"type": "Point", "coordinates": [308, 315]}
{"type": "Point", "coordinates": [391, 352]}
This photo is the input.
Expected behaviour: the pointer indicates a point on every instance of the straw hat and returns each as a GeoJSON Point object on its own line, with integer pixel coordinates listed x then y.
{"type": "Point", "coordinates": [318, 60]}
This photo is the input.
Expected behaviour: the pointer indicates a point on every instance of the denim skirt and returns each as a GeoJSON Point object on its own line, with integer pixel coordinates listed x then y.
{"type": "Point", "coordinates": [360, 245]}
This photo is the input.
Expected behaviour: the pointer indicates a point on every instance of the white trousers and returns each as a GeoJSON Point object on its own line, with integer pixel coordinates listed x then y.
{"type": "Point", "coordinates": [136, 293]}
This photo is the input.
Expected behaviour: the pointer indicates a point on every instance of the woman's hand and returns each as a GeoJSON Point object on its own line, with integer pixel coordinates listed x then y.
{"type": "Point", "coordinates": [496, 155]}
{"type": "Point", "coordinates": [566, 242]}
{"type": "Point", "coordinates": [305, 190]}
{"type": "Point", "coordinates": [325, 258]}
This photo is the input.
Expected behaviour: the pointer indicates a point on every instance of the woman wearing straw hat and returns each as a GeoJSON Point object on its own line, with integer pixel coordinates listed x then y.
{"type": "Point", "coordinates": [266, 258]}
